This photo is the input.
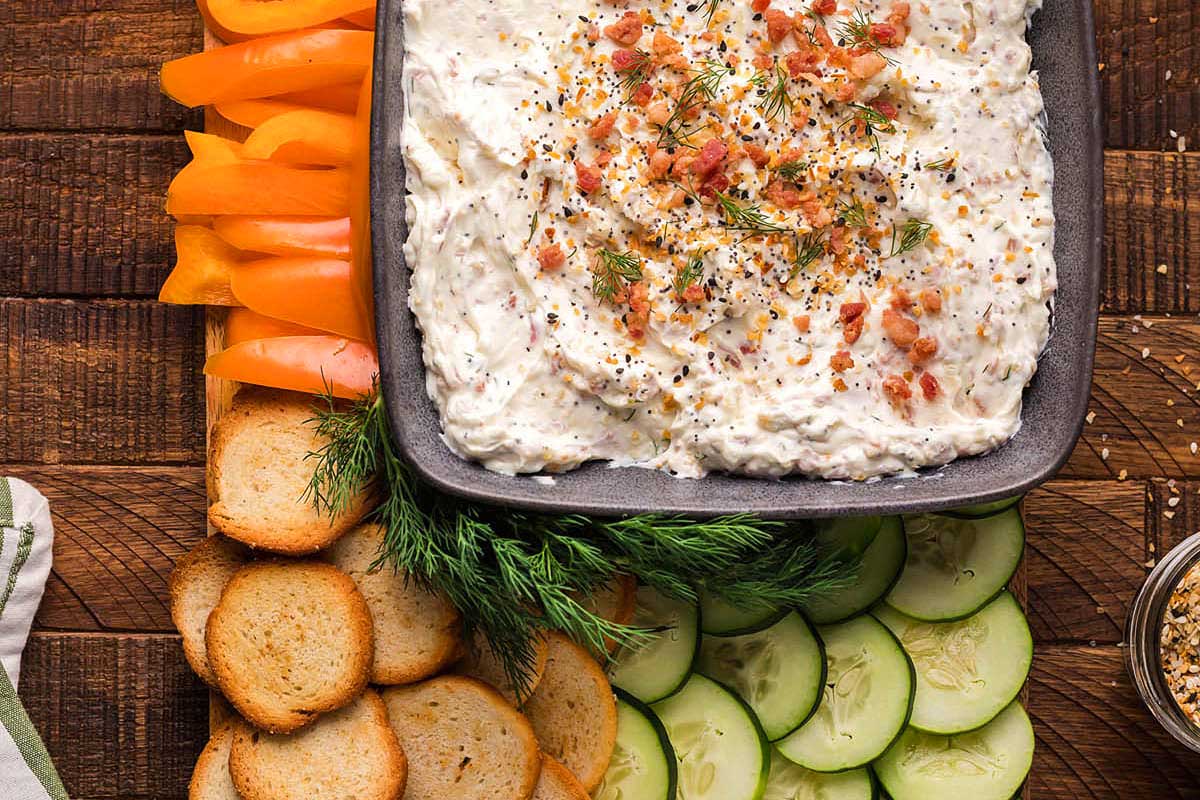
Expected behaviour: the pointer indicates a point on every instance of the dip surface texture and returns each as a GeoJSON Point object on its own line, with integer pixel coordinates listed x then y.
{"type": "Point", "coordinates": [725, 234]}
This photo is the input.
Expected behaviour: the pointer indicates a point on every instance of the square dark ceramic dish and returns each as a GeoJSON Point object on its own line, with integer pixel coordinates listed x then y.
{"type": "Point", "coordinates": [1063, 42]}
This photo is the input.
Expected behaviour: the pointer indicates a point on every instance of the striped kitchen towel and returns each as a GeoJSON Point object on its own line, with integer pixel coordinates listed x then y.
{"type": "Point", "coordinates": [26, 538]}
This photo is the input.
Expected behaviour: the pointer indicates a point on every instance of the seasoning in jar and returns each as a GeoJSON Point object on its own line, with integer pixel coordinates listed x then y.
{"type": "Point", "coordinates": [1180, 642]}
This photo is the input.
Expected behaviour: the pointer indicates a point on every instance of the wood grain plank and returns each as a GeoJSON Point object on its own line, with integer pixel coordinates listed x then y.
{"type": "Point", "coordinates": [1150, 81]}
{"type": "Point", "coordinates": [1085, 556]}
{"type": "Point", "coordinates": [101, 382]}
{"type": "Point", "coordinates": [92, 64]}
{"type": "Point", "coordinates": [122, 715]}
{"type": "Point", "coordinates": [117, 534]}
{"type": "Point", "coordinates": [1173, 513]}
{"type": "Point", "coordinates": [1145, 401]}
{"type": "Point", "coordinates": [1095, 740]}
{"type": "Point", "coordinates": [82, 215]}
{"type": "Point", "coordinates": [1152, 223]}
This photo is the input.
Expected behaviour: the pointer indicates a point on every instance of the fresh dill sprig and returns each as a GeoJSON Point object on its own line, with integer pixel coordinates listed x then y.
{"type": "Point", "coordinates": [912, 235]}
{"type": "Point", "coordinates": [710, 10]}
{"type": "Point", "coordinates": [634, 75]}
{"type": "Point", "coordinates": [873, 122]}
{"type": "Point", "coordinates": [692, 273]}
{"type": "Point", "coordinates": [792, 170]}
{"type": "Point", "coordinates": [775, 100]}
{"type": "Point", "coordinates": [809, 248]}
{"type": "Point", "coordinates": [514, 576]}
{"type": "Point", "coordinates": [856, 32]}
{"type": "Point", "coordinates": [533, 225]}
{"type": "Point", "coordinates": [699, 89]}
{"type": "Point", "coordinates": [853, 214]}
{"type": "Point", "coordinates": [613, 272]}
{"type": "Point", "coordinates": [941, 165]}
{"type": "Point", "coordinates": [746, 218]}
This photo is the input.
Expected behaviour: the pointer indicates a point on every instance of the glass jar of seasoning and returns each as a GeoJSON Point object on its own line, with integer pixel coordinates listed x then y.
{"type": "Point", "coordinates": [1162, 639]}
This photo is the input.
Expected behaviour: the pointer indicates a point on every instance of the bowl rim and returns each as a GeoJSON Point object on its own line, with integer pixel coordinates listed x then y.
{"type": "Point", "coordinates": [598, 489]}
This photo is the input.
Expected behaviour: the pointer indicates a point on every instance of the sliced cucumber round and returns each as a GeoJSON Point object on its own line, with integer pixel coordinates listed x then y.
{"type": "Point", "coordinates": [956, 566]}
{"type": "Point", "coordinates": [987, 764]}
{"type": "Point", "coordinates": [866, 703]}
{"type": "Point", "coordinates": [659, 667]}
{"type": "Point", "coordinates": [721, 749]}
{"type": "Point", "coordinates": [779, 671]}
{"type": "Point", "coordinates": [720, 618]}
{"type": "Point", "coordinates": [983, 509]}
{"type": "Point", "coordinates": [850, 535]}
{"type": "Point", "coordinates": [789, 781]}
{"type": "Point", "coordinates": [967, 671]}
{"type": "Point", "coordinates": [643, 765]}
{"type": "Point", "coordinates": [882, 562]}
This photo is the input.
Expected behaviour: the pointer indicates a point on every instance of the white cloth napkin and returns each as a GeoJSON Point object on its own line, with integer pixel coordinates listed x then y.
{"type": "Point", "coordinates": [26, 541]}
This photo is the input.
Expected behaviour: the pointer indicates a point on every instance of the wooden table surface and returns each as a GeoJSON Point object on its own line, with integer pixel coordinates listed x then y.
{"type": "Point", "coordinates": [102, 398]}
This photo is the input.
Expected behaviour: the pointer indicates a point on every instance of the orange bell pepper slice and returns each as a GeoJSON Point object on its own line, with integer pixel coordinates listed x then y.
{"type": "Point", "coordinates": [259, 188]}
{"type": "Point", "coordinates": [272, 65]}
{"type": "Point", "coordinates": [257, 18]}
{"type": "Point", "coordinates": [244, 325]}
{"type": "Point", "coordinates": [211, 150]}
{"type": "Point", "coordinates": [338, 97]}
{"type": "Point", "coordinates": [252, 113]}
{"type": "Point", "coordinates": [303, 137]}
{"type": "Point", "coordinates": [360, 209]}
{"type": "Point", "coordinates": [311, 364]}
{"type": "Point", "coordinates": [202, 272]}
{"type": "Point", "coordinates": [287, 236]}
{"type": "Point", "coordinates": [316, 292]}
{"type": "Point", "coordinates": [364, 19]}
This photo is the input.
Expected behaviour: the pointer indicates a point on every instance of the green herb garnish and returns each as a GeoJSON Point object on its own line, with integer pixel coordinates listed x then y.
{"type": "Point", "coordinates": [533, 224]}
{"type": "Point", "coordinates": [853, 214]}
{"type": "Point", "coordinates": [941, 165]}
{"type": "Point", "coordinates": [746, 218]}
{"type": "Point", "coordinates": [633, 76]}
{"type": "Point", "coordinates": [809, 248]}
{"type": "Point", "coordinates": [912, 235]}
{"type": "Point", "coordinates": [700, 89]}
{"type": "Point", "coordinates": [775, 100]}
{"type": "Point", "coordinates": [710, 10]}
{"type": "Point", "coordinates": [692, 273]}
{"type": "Point", "coordinates": [613, 272]}
{"type": "Point", "coordinates": [792, 171]}
{"type": "Point", "coordinates": [856, 32]}
{"type": "Point", "coordinates": [515, 575]}
{"type": "Point", "coordinates": [874, 122]}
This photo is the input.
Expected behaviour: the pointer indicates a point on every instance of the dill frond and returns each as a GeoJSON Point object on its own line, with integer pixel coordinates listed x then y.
{"type": "Point", "coordinates": [746, 218]}
{"type": "Point", "coordinates": [612, 272]}
{"type": "Point", "coordinates": [912, 235]}
{"type": "Point", "coordinates": [533, 225]}
{"type": "Point", "coordinates": [853, 213]}
{"type": "Point", "coordinates": [710, 10]}
{"type": "Point", "coordinates": [873, 122]}
{"type": "Point", "coordinates": [941, 165]}
{"type": "Point", "coordinates": [633, 76]}
{"type": "Point", "coordinates": [809, 248]}
{"type": "Point", "coordinates": [792, 171]}
{"type": "Point", "coordinates": [515, 575]}
{"type": "Point", "coordinates": [701, 88]}
{"type": "Point", "coordinates": [856, 33]}
{"type": "Point", "coordinates": [774, 100]}
{"type": "Point", "coordinates": [692, 273]}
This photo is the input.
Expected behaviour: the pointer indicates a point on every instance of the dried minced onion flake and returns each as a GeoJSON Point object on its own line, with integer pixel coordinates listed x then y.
{"type": "Point", "coordinates": [1179, 642]}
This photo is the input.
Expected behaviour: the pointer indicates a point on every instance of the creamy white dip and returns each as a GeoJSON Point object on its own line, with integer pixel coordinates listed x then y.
{"type": "Point", "coordinates": [722, 332]}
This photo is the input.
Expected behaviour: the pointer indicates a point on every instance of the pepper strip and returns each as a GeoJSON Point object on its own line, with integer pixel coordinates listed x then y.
{"type": "Point", "coordinates": [259, 188]}
{"type": "Point", "coordinates": [244, 325]}
{"type": "Point", "coordinates": [310, 364]}
{"type": "Point", "coordinates": [287, 236]}
{"type": "Point", "coordinates": [202, 272]}
{"type": "Point", "coordinates": [307, 291]}
{"type": "Point", "coordinates": [303, 137]}
{"type": "Point", "coordinates": [257, 18]}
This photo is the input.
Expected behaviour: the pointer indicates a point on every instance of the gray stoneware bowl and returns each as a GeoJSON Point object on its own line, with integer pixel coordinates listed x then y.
{"type": "Point", "coordinates": [1063, 41]}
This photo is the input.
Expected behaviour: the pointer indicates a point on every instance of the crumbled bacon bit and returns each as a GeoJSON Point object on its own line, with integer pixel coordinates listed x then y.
{"type": "Point", "coordinates": [931, 300]}
{"type": "Point", "coordinates": [824, 7]}
{"type": "Point", "coordinates": [896, 389]}
{"type": "Point", "coordinates": [660, 164]}
{"type": "Point", "coordinates": [929, 386]}
{"type": "Point", "coordinates": [884, 107]}
{"type": "Point", "coordinates": [884, 33]}
{"type": "Point", "coordinates": [710, 158]}
{"type": "Point", "coordinates": [641, 95]}
{"type": "Point", "coordinates": [850, 311]}
{"type": "Point", "coordinates": [602, 127]}
{"type": "Point", "coordinates": [802, 322]}
{"type": "Point", "coordinates": [587, 176]}
{"type": "Point", "coordinates": [694, 293]}
{"type": "Point", "coordinates": [853, 330]}
{"type": "Point", "coordinates": [837, 239]}
{"type": "Point", "coordinates": [901, 299]}
{"type": "Point", "coordinates": [841, 361]}
{"type": "Point", "coordinates": [901, 330]}
{"type": "Point", "coordinates": [821, 34]}
{"type": "Point", "coordinates": [867, 65]}
{"type": "Point", "coordinates": [759, 6]}
{"type": "Point", "coordinates": [806, 59]}
{"type": "Point", "coordinates": [922, 350]}
{"type": "Point", "coordinates": [784, 195]}
{"type": "Point", "coordinates": [639, 310]}
{"type": "Point", "coordinates": [627, 30]}
{"type": "Point", "coordinates": [603, 158]}
{"type": "Point", "coordinates": [550, 257]}
{"type": "Point", "coordinates": [779, 25]}
{"type": "Point", "coordinates": [627, 60]}
{"type": "Point", "coordinates": [757, 154]}
{"type": "Point", "coordinates": [717, 182]}
{"type": "Point", "coordinates": [762, 61]}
